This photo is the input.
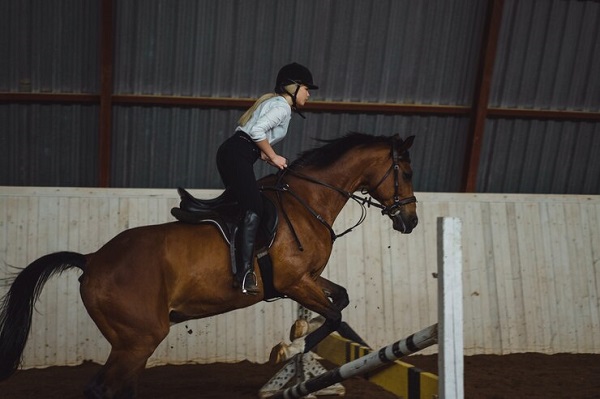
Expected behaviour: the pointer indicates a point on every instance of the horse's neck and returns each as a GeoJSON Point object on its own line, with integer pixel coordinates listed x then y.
{"type": "Point", "coordinates": [327, 201]}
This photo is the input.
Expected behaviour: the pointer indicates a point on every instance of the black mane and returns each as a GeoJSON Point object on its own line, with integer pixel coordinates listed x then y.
{"type": "Point", "coordinates": [333, 149]}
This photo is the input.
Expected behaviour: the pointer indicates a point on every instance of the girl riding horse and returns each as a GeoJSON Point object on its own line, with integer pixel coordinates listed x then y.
{"type": "Point", "coordinates": [263, 125]}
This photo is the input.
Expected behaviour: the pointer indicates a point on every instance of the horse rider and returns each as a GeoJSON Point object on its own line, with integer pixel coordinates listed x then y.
{"type": "Point", "coordinates": [261, 126]}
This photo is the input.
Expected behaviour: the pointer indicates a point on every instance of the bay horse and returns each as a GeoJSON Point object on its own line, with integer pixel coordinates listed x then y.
{"type": "Point", "coordinates": [147, 278]}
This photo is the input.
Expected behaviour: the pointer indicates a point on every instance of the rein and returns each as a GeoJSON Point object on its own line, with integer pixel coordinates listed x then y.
{"type": "Point", "coordinates": [281, 186]}
{"type": "Point", "coordinates": [390, 210]}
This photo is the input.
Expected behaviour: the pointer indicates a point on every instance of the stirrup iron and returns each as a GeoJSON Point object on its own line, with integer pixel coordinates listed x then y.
{"type": "Point", "coordinates": [254, 287]}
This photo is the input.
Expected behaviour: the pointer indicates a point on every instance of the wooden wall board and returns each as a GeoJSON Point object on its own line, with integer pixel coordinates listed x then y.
{"type": "Point", "coordinates": [531, 274]}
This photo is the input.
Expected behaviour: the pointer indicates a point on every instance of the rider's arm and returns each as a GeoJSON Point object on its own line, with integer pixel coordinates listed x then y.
{"type": "Point", "coordinates": [274, 159]}
{"type": "Point", "coordinates": [274, 120]}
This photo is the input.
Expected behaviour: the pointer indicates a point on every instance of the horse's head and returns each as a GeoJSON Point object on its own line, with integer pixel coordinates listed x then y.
{"type": "Point", "coordinates": [393, 189]}
{"type": "Point", "coordinates": [377, 165]}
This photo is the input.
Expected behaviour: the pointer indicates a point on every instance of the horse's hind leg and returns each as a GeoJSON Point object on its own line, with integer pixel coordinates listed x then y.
{"type": "Point", "coordinates": [118, 378]}
{"type": "Point", "coordinates": [134, 327]}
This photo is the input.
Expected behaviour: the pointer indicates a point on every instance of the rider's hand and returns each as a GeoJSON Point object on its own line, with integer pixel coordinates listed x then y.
{"type": "Point", "coordinates": [278, 161]}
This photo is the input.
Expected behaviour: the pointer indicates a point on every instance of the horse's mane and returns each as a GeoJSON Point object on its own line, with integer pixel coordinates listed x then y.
{"type": "Point", "coordinates": [333, 149]}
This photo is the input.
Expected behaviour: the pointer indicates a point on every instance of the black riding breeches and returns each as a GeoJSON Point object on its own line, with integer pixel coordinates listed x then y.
{"type": "Point", "coordinates": [235, 162]}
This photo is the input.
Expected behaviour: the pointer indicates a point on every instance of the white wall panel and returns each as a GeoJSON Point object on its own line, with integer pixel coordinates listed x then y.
{"type": "Point", "coordinates": [531, 275]}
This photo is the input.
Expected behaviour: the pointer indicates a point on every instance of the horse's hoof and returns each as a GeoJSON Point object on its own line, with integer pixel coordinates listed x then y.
{"type": "Point", "coordinates": [299, 329]}
{"type": "Point", "coordinates": [277, 353]}
{"type": "Point", "coordinates": [282, 352]}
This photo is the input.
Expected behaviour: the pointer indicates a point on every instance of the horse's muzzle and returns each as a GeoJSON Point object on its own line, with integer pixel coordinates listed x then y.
{"type": "Point", "coordinates": [405, 223]}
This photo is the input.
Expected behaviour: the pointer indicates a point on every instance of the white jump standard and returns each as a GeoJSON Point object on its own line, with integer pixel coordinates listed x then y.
{"type": "Point", "coordinates": [414, 343]}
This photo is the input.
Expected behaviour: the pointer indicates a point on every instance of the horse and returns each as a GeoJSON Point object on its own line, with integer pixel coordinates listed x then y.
{"type": "Point", "coordinates": [148, 278]}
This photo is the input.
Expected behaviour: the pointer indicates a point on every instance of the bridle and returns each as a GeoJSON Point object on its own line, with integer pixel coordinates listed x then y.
{"type": "Point", "coordinates": [364, 202]}
{"type": "Point", "coordinates": [393, 209]}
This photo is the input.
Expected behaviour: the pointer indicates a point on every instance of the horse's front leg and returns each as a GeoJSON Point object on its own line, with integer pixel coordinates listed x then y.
{"type": "Point", "coordinates": [323, 297]}
{"type": "Point", "coordinates": [339, 301]}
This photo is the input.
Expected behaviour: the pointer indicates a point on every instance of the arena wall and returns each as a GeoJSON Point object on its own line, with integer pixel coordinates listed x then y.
{"type": "Point", "coordinates": [531, 275]}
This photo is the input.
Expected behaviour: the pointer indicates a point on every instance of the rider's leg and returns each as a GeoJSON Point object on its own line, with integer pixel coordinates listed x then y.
{"type": "Point", "coordinates": [235, 161]}
{"type": "Point", "coordinates": [246, 247]}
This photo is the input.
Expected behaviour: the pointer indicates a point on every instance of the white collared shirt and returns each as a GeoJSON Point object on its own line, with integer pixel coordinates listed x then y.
{"type": "Point", "coordinates": [269, 121]}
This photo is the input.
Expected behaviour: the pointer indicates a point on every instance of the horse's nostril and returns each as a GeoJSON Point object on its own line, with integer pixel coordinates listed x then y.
{"type": "Point", "coordinates": [415, 221]}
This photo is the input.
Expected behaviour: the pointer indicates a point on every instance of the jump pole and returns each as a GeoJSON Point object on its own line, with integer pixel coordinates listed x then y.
{"type": "Point", "coordinates": [450, 316]}
{"type": "Point", "coordinates": [411, 344]}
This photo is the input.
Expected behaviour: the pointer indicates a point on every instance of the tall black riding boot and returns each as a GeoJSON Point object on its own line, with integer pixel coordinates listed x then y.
{"type": "Point", "coordinates": [246, 247]}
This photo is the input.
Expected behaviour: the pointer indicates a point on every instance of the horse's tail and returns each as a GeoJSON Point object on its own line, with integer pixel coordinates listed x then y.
{"type": "Point", "coordinates": [17, 306]}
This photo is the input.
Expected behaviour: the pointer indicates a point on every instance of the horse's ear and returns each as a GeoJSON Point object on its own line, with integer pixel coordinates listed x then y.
{"type": "Point", "coordinates": [406, 144]}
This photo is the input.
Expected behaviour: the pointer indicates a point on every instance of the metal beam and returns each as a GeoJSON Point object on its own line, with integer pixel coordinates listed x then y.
{"type": "Point", "coordinates": [314, 106]}
{"type": "Point", "coordinates": [479, 110]}
{"type": "Point", "coordinates": [542, 114]}
{"type": "Point", "coordinates": [51, 98]}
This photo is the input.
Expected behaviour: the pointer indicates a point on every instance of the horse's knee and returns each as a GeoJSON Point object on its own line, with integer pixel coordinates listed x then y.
{"type": "Point", "coordinates": [340, 298]}
{"type": "Point", "coordinates": [344, 299]}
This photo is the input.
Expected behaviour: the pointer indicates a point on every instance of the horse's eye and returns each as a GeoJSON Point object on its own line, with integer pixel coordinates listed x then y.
{"type": "Point", "coordinates": [407, 175]}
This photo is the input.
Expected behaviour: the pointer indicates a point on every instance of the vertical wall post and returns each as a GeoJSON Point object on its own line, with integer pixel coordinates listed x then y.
{"type": "Point", "coordinates": [106, 87]}
{"type": "Point", "coordinates": [450, 309]}
{"type": "Point", "coordinates": [479, 112]}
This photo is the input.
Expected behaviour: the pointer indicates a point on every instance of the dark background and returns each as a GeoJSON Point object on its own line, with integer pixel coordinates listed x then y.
{"type": "Point", "coordinates": [502, 95]}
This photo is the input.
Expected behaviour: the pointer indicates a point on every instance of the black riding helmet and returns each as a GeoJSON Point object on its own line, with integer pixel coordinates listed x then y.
{"type": "Point", "coordinates": [294, 73]}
